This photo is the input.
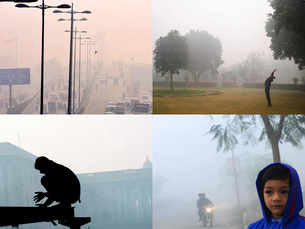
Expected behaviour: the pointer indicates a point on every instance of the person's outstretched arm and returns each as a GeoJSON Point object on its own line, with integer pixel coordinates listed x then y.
{"type": "Point", "coordinates": [272, 73]}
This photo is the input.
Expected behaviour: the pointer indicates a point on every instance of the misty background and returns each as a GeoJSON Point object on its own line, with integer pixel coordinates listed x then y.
{"type": "Point", "coordinates": [186, 163]}
{"type": "Point", "coordinates": [240, 27]}
{"type": "Point", "coordinates": [82, 143]}
{"type": "Point", "coordinates": [120, 52]}
{"type": "Point", "coordinates": [107, 153]}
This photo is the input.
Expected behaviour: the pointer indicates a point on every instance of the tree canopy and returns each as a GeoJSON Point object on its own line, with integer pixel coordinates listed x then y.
{"type": "Point", "coordinates": [204, 53]}
{"type": "Point", "coordinates": [286, 28]}
{"type": "Point", "coordinates": [245, 129]}
{"type": "Point", "coordinates": [197, 52]}
{"type": "Point", "coordinates": [170, 54]}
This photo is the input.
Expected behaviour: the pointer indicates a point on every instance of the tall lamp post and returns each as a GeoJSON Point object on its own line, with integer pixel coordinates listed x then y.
{"type": "Point", "coordinates": [74, 64]}
{"type": "Point", "coordinates": [43, 7]}
{"type": "Point", "coordinates": [72, 12]}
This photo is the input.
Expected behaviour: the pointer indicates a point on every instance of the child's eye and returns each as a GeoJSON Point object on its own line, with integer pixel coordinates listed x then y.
{"type": "Point", "coordinates": [268, 192]}
{"type": "Point", "coordinates": [284, 192]}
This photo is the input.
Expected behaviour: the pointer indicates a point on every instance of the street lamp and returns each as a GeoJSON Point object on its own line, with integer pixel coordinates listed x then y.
{"type": "Point", "coordinates": [72, 12]}
{"type": "Point", "coordinates": [75, 31]}
{"type": "Point", "coordinates": [43, 7]}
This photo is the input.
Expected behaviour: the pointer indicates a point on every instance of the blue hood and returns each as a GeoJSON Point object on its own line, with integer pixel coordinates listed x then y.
{"type": "Point", "coordinates": [295, 200]}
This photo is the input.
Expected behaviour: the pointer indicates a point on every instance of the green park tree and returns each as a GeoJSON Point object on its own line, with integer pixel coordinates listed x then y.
{"type": "Point", "coordinates": [245, 129]}
{"type": "Point", "coordinates": [170, 55]}
{"type": "Point", "coordinates": [285, 27]}
{"type": "Point", "coordinates": [204, 53]}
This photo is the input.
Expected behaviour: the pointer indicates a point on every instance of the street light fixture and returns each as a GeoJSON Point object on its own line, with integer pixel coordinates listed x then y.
{"type": "Point", "coordinates": [43, 7]}
{"type": "Point", "coordinates": [81, 19]}
{"type": "Point", "coordinates": [72, 12]}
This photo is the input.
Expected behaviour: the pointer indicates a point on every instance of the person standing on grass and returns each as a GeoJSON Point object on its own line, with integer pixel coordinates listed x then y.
{"type": "Point", "coordinates": [268, 82]}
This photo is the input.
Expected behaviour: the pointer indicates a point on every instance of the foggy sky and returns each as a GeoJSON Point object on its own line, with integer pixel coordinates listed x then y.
{"type": "Point", "coordinates": [84, 143]}
{"type": "Point", "coordinates": [239, 24]}
{"type": "Point", "coordinates": [185, 155]}
{"type": "Point", "coordinates": [121, 29]}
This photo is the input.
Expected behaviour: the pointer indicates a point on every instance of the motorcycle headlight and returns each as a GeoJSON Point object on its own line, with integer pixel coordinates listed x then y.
{"type": "Point", "coordinates": [208, 210]}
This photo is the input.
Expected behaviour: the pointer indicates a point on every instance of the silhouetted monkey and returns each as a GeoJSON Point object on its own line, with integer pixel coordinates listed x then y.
{"type": "Point", "coordinates": [61, 184]}
{"type": "Point", "coordinates": [268, 82]}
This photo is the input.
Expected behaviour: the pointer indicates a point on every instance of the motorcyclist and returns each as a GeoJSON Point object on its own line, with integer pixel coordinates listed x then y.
{"type": "Point", "coordinates": [202, 203]}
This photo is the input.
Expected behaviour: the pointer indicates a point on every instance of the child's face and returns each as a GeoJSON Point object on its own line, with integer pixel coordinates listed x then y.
{"type": "Point", "coordinates": [275, 196]}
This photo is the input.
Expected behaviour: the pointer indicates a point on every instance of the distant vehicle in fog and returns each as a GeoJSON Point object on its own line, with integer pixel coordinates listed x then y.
{"type": "Point", "coordinates": [141, 108]}
{"type": "Point", "coordinates": [115, 108]}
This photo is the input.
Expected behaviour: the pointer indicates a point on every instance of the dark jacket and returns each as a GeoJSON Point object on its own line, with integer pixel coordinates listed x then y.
{"type": "Point", "coordinates": [291, 218]}
{"type": "Point", "coordinates": [269, 80]}
{"type": "Point", "coordinates": [61, 183]}
{"type": "Point", "coordinates": [203, 202]}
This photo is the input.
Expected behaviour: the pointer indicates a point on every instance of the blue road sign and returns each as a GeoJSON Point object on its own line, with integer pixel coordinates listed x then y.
{"type": "Point", "coordinates": [14, 76]}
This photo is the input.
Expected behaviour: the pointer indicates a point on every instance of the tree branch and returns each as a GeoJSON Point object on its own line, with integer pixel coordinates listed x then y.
{"type": "Point", "coordinates": [269, 128]}
{"type": "Point", "coordinates": [281, 125]}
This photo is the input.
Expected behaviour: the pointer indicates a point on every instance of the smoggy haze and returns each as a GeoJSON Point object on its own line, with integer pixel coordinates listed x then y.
{"type": "Point", "coordinates": [239, 24]}
{"type": "Point", "coordinates": [84, 143]}
{"type": "Point", "coordinates": [122, 30]}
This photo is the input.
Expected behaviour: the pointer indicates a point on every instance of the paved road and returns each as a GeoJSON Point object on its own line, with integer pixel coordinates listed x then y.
{"type": "Point", "coordinates": [33, 107]}
{"type": "Point", "coordinates": [101, 94]}
{"type": "Point", "coordinates": [187, 218]}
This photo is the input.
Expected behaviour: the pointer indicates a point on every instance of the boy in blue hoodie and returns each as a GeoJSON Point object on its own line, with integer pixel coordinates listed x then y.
{"type": "Point", "coordinates": [279, 190]}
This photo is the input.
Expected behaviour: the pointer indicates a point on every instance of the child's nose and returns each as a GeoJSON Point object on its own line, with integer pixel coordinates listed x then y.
{"type": "Point", "coordinates": [276, 197]}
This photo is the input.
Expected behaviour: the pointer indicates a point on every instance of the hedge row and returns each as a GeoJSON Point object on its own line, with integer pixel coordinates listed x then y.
{"type": "Point", "coordinates": [182, 84]}
{"type": "Point", "coordinates": [276, 86]}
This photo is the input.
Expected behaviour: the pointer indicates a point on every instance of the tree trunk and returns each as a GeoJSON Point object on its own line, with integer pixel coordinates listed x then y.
{"type": "Point", "coordinates": [171, 81]}
{"type": "Point", "coordinates": [236, 180]}
{"type": "Point", "coordinates": [194, 76]}
{"type": "Point", "coordinates": [197, 76]}
{"type": "Point", "coordinates": [274, 136]}
{"type": "Point", "coordinates": [276, 152]}
{"type": "Point", "coordinates": [240, 218]}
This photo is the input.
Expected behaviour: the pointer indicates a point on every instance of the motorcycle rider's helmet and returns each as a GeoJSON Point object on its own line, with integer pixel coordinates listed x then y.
{"type": "Point", "coordinates": [201, 195]}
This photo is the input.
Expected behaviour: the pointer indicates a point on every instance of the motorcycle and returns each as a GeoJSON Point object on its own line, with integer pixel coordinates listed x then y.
{"type": "Point", "coordinates": [207, 216]}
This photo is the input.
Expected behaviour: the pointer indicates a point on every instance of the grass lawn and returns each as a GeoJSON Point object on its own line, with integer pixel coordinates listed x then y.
{"type": "Point", "coordinates": [177, 92]}
{"type": "Point", "coordinates": [229, 101]}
